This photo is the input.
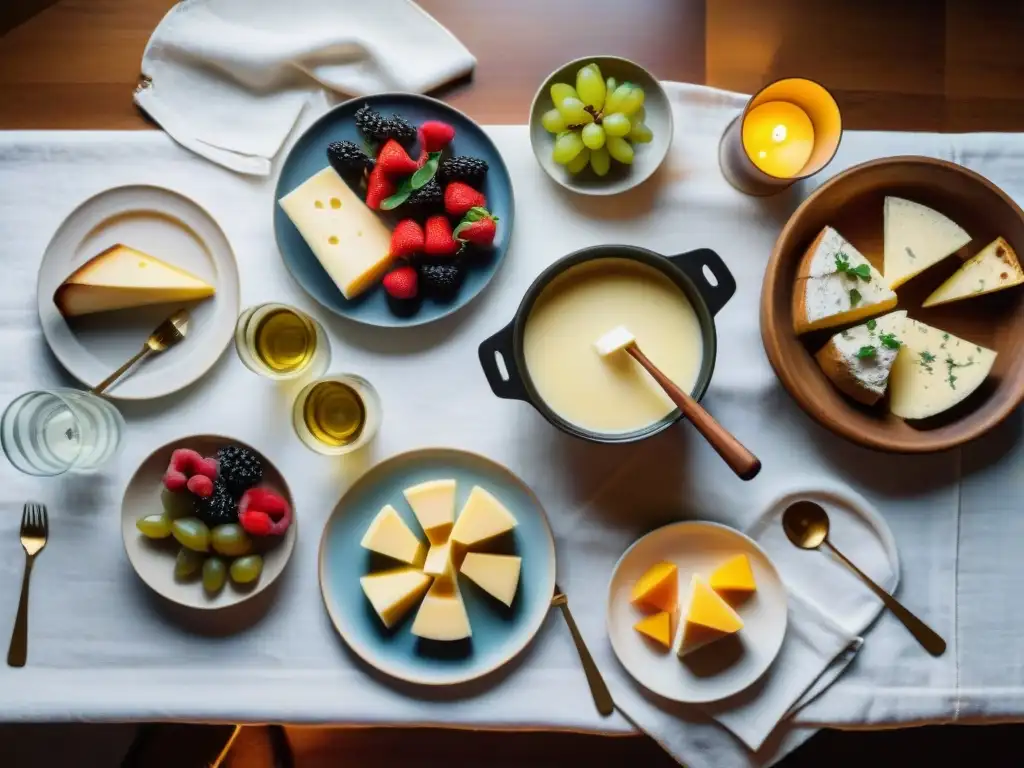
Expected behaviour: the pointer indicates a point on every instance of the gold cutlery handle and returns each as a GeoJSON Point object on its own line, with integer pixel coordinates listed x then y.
{"type": "Point", "coordinates": [924, 634]}
{"type": "Point", "coordinates": [18, 652]}
{"type": "Point", "coordinates": [598, 688]}
{"type": "Point", "coordinates": [121, 371]}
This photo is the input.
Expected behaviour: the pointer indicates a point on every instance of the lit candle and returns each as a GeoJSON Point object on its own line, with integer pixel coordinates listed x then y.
{"type": "Point", "coordinates": [778, 138]}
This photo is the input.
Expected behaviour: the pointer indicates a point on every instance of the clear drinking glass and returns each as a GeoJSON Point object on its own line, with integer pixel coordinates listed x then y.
{"type": "Point", "coordinates": [281, 342]}
{"type": "Point", "coordinates": [49, 432]}
{"type": "Point", "coordinates": [337, 414]}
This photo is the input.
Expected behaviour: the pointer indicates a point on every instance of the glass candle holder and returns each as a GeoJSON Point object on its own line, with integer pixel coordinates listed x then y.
{"type": "Point", "coordinates": [281, 342]}
{"type": "Point", "coordinates": [788, 131]}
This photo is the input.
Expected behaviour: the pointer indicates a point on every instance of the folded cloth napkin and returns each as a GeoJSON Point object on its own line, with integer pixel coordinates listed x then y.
{"type": "Point", "coordinates": [228, 78]}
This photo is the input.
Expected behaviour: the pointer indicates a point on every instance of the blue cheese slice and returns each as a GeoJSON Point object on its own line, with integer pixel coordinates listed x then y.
{"type": "Point", "coordinates": [347, 238]}
{"type": "Point", "coordinates": [993, 269]}
{"type": "Point", "coordinates": [858, 360]}
{"type": "Point", "coordinates": [916, 237]}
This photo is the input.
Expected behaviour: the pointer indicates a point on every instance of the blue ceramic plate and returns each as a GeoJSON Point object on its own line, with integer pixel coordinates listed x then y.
{"type": "Point", "coordinates": [499, 633]}
{"type": "Point", "coordinates": [309, 155]}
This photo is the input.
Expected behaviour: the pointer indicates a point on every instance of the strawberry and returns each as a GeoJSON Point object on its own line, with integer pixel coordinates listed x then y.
{"type": "Point", "coordinates": [394, 160]}
{"type": "Point", "coordinates": [435, 135]}
{"type": "Point", "coordinates": [406, 239]}
{"type": "Point", "coordinates": [439, 240]}
{"type": "Point", "coordinates": [378, 187]}
{"type": "Point", "coordinates": [401, 283]}
{"type": "Point", "coordinates": [459, 197]}
{"type": "Point", "coordinates": [478, 227]}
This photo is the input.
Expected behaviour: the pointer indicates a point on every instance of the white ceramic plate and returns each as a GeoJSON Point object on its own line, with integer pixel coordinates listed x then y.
{"type": "Point", "coordinates": [724, 668]}
{"type": "Point", "coordinates": [172, 228]}
{"type": "Point", "coordinates": [154, 560]}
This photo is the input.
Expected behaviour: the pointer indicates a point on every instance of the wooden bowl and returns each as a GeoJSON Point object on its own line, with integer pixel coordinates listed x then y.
{"type": "Point", "coordinates": [852, 202]}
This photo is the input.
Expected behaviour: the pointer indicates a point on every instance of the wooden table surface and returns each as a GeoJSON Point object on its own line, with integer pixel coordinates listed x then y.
{"type": "Point", "coordinates": [924, 65]}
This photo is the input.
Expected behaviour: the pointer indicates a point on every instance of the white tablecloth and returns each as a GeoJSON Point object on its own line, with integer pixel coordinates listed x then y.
{"type": "Point", "coordinates": [101, 648]}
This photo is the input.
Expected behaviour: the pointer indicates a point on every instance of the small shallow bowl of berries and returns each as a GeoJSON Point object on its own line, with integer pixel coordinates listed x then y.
{"type": "Point", "coordinates": [208, 522]}
{"type": "Point", "coordinates": [600, 125]}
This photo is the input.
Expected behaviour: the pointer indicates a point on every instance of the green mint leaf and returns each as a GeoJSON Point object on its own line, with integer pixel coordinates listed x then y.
{"type": "Point", "coordinates": [426, 173]}
{"type": "Point", "coordinates": [871, 325]}
{"type": "Point", "coordinates": [405, 189]}
{"type": "Point", "coordinates": [855, 297]}
{"type": "Point", "coordinates": [842, 262]}
{"type": "Point", "coordinates": [863, 271]}
{"type": "Point", "coordinates": [889, 340]}
{"type": "Point", "coordinates": [866, 351]}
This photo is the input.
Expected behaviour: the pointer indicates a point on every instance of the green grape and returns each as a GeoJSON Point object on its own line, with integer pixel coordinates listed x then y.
{"type": "Point", "coordinates": [230, 540]}
{"type": "Point", "coordinates": [567, 146]}
{"type": "Point", "coordinates": [593, 136]}
{"type": "Point", "coordinates": [633, 101]}
{"type": "Point", "coordinates": [215, 573]}
{"type": "Point", "coordinates": [192, 532]}
{"type": "Point", "coordinates": [620, 149]}
{"type": "Point", "coordinates": [154, 526]}
{"type": "Point", "coordinates": [590, 86]}
{"type": "Point", "coordinates": [562, 91]}
{"type": "Point", "coordinates": [610, 85]}
{"type": "Point", "coordinates": [615, 99]}
{"type": "Point", "coordinates": [246, 569]}
{"type": "Point", "coordinates": [178, 504]}
{"type": "Point", "coordinates": [579, 162]}
{"type": "Point", "coordinates": [600, 161]}
{"type": "Point", "coordinates": [639, 116]}
{"type": "Point", "coordinates": [553, 121]}
{"type": "Point", "coordinates": [187, 563]}
{"type": "Point", "coordinates": [573, 112]}
{"type": "Point", "coordinates": [616, 124]}
{"type": "Point", "coordinates": [640, 133]}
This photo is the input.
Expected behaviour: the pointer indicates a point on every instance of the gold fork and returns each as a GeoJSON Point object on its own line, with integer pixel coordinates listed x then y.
{"type": "Point", "coordinates": [598, 688]}
{"type": "Point", "coordinates": [35, 528]}
{"type": "Point", "coordinates": [167, 334]}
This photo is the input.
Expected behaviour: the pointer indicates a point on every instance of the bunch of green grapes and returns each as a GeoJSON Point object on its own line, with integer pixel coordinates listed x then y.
{"type": "Point", "coordinates": [595, 122]}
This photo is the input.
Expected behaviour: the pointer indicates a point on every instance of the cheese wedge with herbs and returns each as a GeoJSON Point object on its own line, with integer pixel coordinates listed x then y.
{"type": "Point", "coordinates": [497, 575]}
{"type": "Point", "coordinates": [392, 593]}
{"type": "Point", "coordinates": [734, 576]}
{"type": "Point", "coordinates": [836, 285]}
{"type": "Point", "coordinates": [995, 268]}
{"type": "Point", "coordinates": [657, 627]}
{"type": "Point", "coordinates": [859, 359]}
{"type": "Point", "coordinates": [389, 535]}
{"type": "Point", "coordinates": [433, 503]}
{"type": "Point", "coordinates": [350, 242]}
{"type": "Point", "coordinates": [708, 619]}
{"type": "Point", "coordinates": [916, 237]}
{"type": "Point", "coordinates": [934, 371]}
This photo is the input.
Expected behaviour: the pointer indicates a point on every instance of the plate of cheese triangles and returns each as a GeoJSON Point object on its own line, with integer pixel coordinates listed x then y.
{"type": "Point", "coordinates": [891, 309]}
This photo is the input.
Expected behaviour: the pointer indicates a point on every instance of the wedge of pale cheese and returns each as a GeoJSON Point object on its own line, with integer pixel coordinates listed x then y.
{"type": "Point", "coordinates": [994, 268]}
{"type": "Point", "coordinates": [482, 517]}
{"type": "Point", "coordinates": [916, 237]}
{"type": "Point", "coordinates": [442, 614]}
{"type": "Point", "coordinates": [389, 535]}
{"type": "Point", "coordinates": [497, 575]}
{"type": "Point", "coordinates": [934, 371]}
{"type": "Point", "coordinates": [836, 285]}
{"type": "Point", "coordinates": [124, 278]}
{"type": "Point", "coordinates": [439, 560]}
{"type": "Point", "coordinates": [859, 359]}
{"type": "Point", "coordinates": [392, 593]}
{"type": "Point", "coordinates": [347, 238]}
{"type": "Point", "coordinates": [708, 619]}
{"type": "Point", "coordinates": [433, 503]}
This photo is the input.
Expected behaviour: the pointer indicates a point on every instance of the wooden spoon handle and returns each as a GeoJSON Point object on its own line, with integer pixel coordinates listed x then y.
{"type": "Point", "coordinates": [745, 464]}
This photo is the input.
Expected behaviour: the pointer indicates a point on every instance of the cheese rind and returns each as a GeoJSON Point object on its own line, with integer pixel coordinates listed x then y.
{"type": "Point", "coordinates": [916, 237]}
{"type": "Point", "coordinates": [825, 296]}
{"type": "Point", "coordinates": [442, 615]}
{"type": "Point", "coordinates": [658, 627]}
{"type": "Point", "coordinates": [864, 377]}
{"type": "Point", "coordinates": [497, 575]}
{"type": "Point", "coordinates": [123, 278]}
{"type": "Point", "coordinates": [389, 535]}
{"type": "Point", "coordinates": [657, 588]}
{"type": "Point", "coordinates": [483, 517]}
{"type": "Point", "coordinates": [433, 503]}
{"type": "Point", "coordinates": [734, 576]}
{"type": "Point", "coordinates": [392, 593]}
{"type": "Point", "coordinates": [994, 268]}
{"type": "Point", "coordinates": [347, 238]}
{"type": "Point", "coordinates": [934, 371]}
{"type": "Point", "coordinates": [708, 618]}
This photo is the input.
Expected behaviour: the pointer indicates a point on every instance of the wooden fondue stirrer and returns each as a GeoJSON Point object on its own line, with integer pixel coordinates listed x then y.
{"type": "Point", "coordinates": [745, 464]}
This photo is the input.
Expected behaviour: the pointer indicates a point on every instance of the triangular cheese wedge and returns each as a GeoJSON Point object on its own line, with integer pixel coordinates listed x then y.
{"type": "Point", "coordinates": [995, 268]}
{"type": "Point", "coordinates": [389, 535]}
{"type": "Point", "coordinates": [658, 627]}
{"type": "Point", "coordinates": [658, 588]}
{"type": "Point", "coordinates": [916, 237]}
{"type": "Point", "coordinates": [934, 371]}
{"type": "Point", "coordinates": [442, 614]}
{"type": "Point", "coordinates": [439, 560]}
{"type": "Point", "coordinates": [122, 278]}
{"type": "Point", "coordinates": [836, 285]}
{"type": "Point", "coordinates": [497, 575]}
{"type": "Point", "coordinates": [393, 593]}
{"type": "Point", "coordinates": [708, 618]}
{"type": "Point", "coordinates": [859, 359]}
{"type": "Point", "coordinates": [433, 503]}
{"type": "Point", "coordinates": [734, 576]}
{"type": "Point", "coordinates": [482, 517]}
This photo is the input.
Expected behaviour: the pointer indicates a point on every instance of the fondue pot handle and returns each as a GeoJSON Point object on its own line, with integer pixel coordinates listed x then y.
{"type": "Point", "coordinates": [716, 295]}
{"type": "Point", "coordinates": [501, 343]}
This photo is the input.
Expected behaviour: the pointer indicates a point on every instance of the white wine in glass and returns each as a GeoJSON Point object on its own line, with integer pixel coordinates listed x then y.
{"type": "Point", "coordinates": [337, 414]}
{"type": "Point", "coordinates": [281, 342]}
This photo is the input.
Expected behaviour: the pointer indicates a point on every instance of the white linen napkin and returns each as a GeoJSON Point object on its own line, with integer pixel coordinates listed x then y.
{"type": "Point", "coordinates": [228, 78]}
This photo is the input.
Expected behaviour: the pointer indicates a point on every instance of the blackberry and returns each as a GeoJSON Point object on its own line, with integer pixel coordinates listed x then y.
{"type": "Point", "coordinates": [471, 170]}
{"type": "Point", "coordinates": [404, 307]}
{"type": "Point", "coordinates": [346, 158]}
{"type": "Point", "coordinates": [238, 469]}
{"type": "Point", "coordinates": [401, 130]}
{"type": "Point", "coordinates": [219, 508]}
{"type": "Point", "coordinates": [441, 281]}
{"type": "Point", "coordinates": [372, 124]}
{"type": "Point", "coordinates": [424, 201]}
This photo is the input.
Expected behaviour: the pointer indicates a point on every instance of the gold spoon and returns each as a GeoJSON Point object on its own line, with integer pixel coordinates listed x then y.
{"type": "Point", "coordinates": [806, 524]}
{"type": "Point", "coordinates": [598, 688]}
{"type": "Point", "coordinates": [167, 334]}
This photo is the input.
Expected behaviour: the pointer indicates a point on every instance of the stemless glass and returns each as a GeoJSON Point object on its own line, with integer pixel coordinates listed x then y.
{"type": "Point", "coordinates": [281, 342]}
{"type": "Point", "coordinates": [337, 414]}
{"type": "Point", "coordinates": [49, 432]}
